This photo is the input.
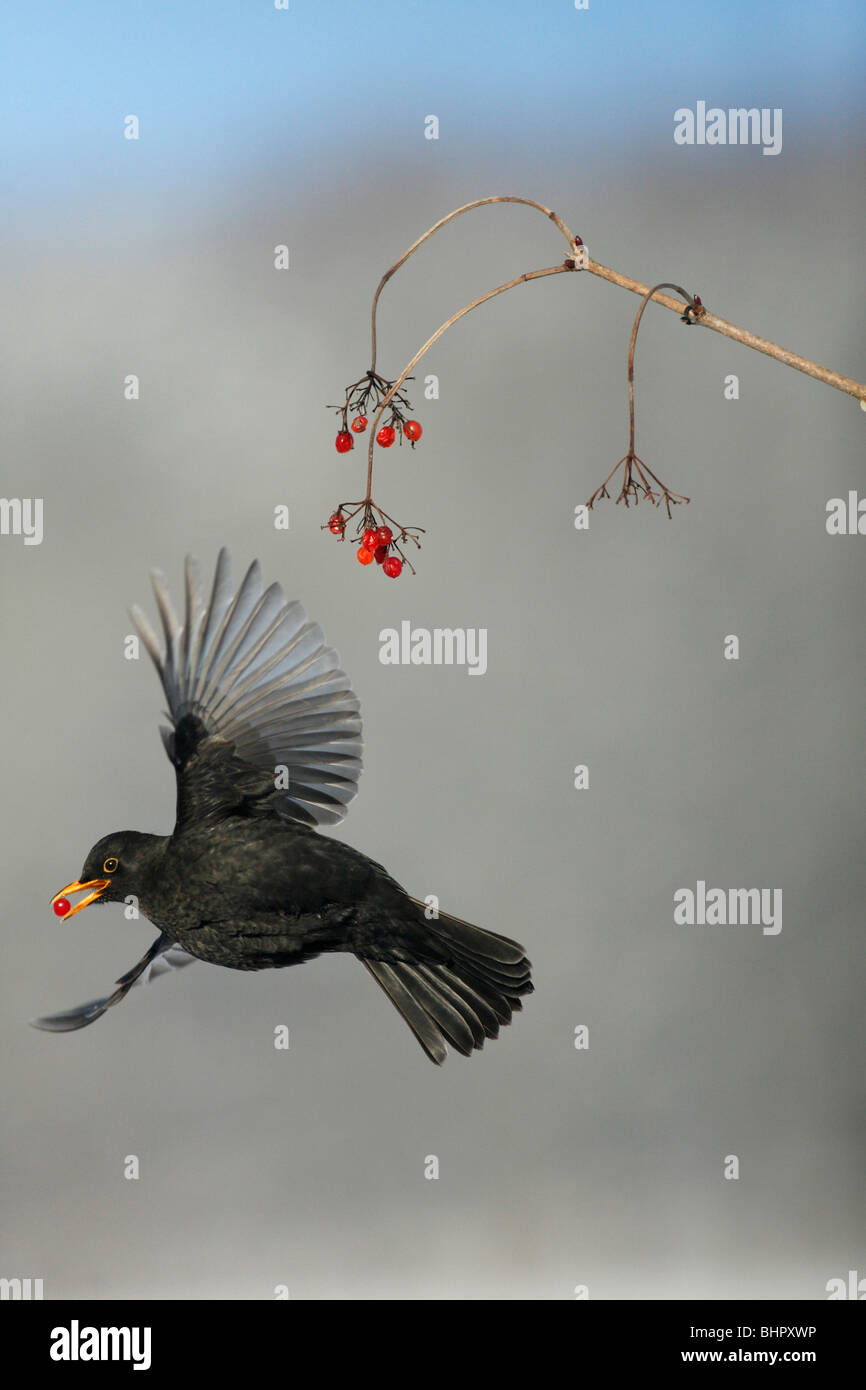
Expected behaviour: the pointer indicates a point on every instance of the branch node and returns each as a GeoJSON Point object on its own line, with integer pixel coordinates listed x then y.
{"type": "Point", "coordinates": [695, 310]}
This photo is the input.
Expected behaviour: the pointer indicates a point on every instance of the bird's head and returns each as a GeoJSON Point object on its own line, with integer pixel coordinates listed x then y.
{"type": "Point", "coordinates": [115, 868]}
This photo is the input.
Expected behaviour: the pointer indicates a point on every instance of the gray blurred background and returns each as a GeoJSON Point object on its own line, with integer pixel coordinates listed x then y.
{"type": "Point", "coordinates": [558, 1167]}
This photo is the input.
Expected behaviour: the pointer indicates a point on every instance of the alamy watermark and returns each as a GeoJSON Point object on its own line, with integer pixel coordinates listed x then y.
{"type": "Point", "coordinates": [77, 1343]}
{"type": "Point", "coordinates": [736, 126]}
{"type": "Point", "coordinates": [21, 1290]}
{"type": "Point", "coordinates": [22, 516]}
{"type": "Point", "coordinates": [439, 646]}
{"type": "Point", "coordinates": [720, 907]}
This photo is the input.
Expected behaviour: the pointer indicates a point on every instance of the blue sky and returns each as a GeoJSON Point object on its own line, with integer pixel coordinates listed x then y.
{"type": "Point", "coordinates": [218, 84]}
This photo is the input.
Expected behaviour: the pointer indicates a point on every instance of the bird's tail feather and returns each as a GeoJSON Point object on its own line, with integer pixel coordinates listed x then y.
{"type": "Point", "coordinates": [461, 984]}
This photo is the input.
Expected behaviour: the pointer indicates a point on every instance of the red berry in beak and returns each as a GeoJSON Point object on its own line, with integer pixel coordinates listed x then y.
{"type": "Point", "coordinates": [61, 907]}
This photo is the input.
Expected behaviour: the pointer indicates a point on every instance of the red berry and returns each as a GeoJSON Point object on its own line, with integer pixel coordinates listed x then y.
{"type": "Point", "coordinates": [392, 566]}
{"type": "Point", "coordinates": [386, 436]}
{"type": "Point", "coordinates": [384, 535]}
{"type": "Point", "coordinates": [336, 523]}
{"type": "Point", "coordinates": [359, 424]}
{"type": "Point", "coordinates": [344, 442]}
{"type": "Point", "coordinates": [365, 556]}
{"type": "Point", "coordinates": [370, 539]}
{"type": "Point", "coordinates": [412, 430]}
{"type": "Point", "coordinates": [381, 552]}
{"type": "Point", "coordinates": [61, 907]}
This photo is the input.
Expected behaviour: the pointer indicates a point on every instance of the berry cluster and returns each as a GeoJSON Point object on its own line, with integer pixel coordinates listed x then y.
{"type": "Point", "coordinates": [376, 540]}
{"type": "Point", "coordinates": [363, 398]}
{"type": "Point", "coordinates": [378, 536]}
{"type": "Point", "coordinates": [374, 546]}
{"type": "Point", "coordinates": [385, 437]}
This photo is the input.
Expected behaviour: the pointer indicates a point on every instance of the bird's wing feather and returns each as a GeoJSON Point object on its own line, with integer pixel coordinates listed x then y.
{"type": "Point", "coordinates": [173, 958]}
{"type": "Point", "coordinates": [252, 688]}
{"type": "Point", "coordinates": [163, 956]}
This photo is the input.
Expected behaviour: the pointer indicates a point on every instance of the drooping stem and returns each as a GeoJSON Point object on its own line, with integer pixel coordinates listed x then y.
{"type": "Point", "coordinates": [693, 310]}
{"type": "Point", "coordinates": [443, 222]}
{"type": "Point", "coordinates": [434, 337]}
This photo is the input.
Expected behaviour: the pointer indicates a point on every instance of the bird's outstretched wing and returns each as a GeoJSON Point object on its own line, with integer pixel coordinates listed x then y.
{"type": "Point", "coordinates": [163, 956]}
{"type": "Point", "coordinates": [262, 715]}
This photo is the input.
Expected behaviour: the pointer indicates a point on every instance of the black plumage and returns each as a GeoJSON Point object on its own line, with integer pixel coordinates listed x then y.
{"type": "Point", "coordinates": [265, 739]}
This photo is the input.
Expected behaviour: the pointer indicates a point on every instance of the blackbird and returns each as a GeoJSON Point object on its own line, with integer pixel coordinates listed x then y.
{"type": "Point", "coordinates": [265, 739]}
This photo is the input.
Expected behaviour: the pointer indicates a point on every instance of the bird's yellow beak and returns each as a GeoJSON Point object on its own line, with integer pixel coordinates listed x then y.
{"type": "Point", "coordinates": [93, 887]}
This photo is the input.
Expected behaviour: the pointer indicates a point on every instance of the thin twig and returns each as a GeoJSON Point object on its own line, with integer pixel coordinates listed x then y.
{"type": "Point", "coordinates": [443, 328]}
{"type": "Point", "coordinates": [692, 309]}
{"type": "Point", "coordinates": [443, 221]}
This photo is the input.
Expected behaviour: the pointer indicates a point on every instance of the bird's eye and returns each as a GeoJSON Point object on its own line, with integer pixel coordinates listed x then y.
{"type": "Point", "coordinates": [109, 866]}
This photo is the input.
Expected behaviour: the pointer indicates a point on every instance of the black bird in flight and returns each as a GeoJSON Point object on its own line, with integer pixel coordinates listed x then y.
{"type": "Point", "coordinates": [265, 740]}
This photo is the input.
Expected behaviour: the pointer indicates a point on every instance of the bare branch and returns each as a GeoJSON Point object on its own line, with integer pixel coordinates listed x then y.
{"type": "Point", "coordinates": [638, 479]}
{"type": "Point", "coordinates": [739, 335]}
